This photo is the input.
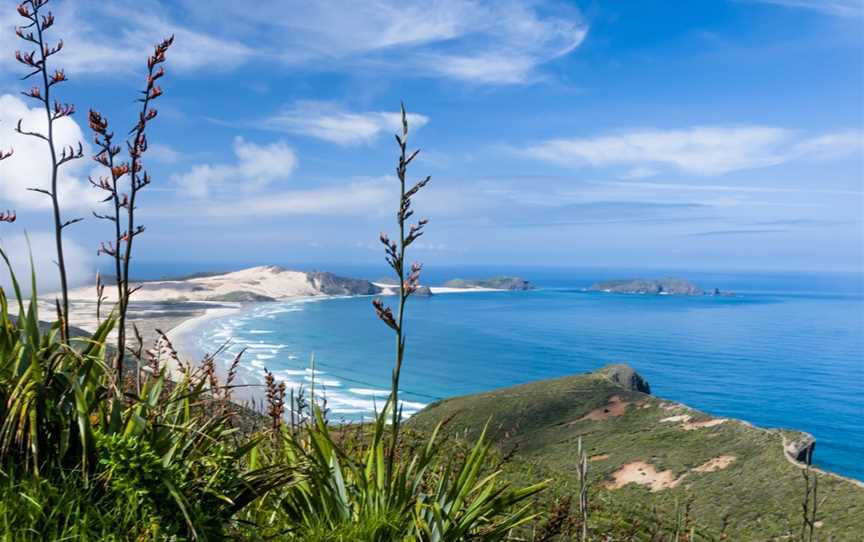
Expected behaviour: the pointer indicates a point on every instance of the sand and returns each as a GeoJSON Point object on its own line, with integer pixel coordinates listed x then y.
{"type": "Point", "coordinates": [180, 308]}
{"type": "Point", "coordinates": [266, 281]}
{"type": "Point", "coordinates": [718, 463]}
{"type": "Point", "coordinates": [688, 425]}
{"type": "Point", "coordinates": [390, 289]}
{"type": "Point", "coordinates": [613, 408]}
{"type": "Point", "coordinates": [645, 474]}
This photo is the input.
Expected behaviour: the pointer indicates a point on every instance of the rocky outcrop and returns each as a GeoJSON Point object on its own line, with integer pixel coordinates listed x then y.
{"type": "Point", "coordinates": [800, 447]}
{"type": "Point", "coordinates": [626, 377]}
{"type": "Point", "coordinates": [393, 285]}
{"type": "Point", "coordinates": [495, 283]}
{"type": "Point", "coordinates": [330, 284]}
{"type": "Point", "coordinates": [423, 291]}
{"type": "Point", "coordinates": [665, 286]}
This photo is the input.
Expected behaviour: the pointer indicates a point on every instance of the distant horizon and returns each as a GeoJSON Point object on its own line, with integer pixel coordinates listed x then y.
{"type": "Point", "coordinates": [152, 266]}
{"type": "Point", "coordinates": [727, 134]}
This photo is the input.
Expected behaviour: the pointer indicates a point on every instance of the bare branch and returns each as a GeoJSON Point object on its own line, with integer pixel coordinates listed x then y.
{"type": "Point", "coordinates": [70, 222]}
{"type": "Point", "coordinates": [41, 191]}
{"type": "Point", "coordinates": [33, 134]}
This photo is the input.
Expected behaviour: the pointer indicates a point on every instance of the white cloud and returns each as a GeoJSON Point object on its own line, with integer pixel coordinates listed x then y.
{"type": "Point", "coordinates": [485, 68]}
{"type": "Point", "coordinates": [639, 173]}
{"type": "Point", "coordinates": [832, 145]}
{"type": "Point", "coordinates": [517, 40]}
{"type": "Point", "coordinates": [841, 8]}
{"type": "Point", "coordinates": [361, 198]}
{"type": "Point", "coordinates": [332, 123]}
{"type": "Point", "coordinates": [80, 262]}
{"type": "Point", "coordinates": [163, 154]}
{"type": "Point", "coordinates": [256, 167]}
{"type": "Point", "coordinates": [699, 150]}
{"type": "Point", "coordinates": [29, 167]}
{"type": "Point", "coordinates": [102, 38]}
{"type": "Point", "coordinates": [481, 41]}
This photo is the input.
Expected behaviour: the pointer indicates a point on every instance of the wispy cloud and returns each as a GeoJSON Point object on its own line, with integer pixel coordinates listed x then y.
{"type": "Point", "coordinates": [841, 8]}
{"type": "Point", "coordinates": [359, 198]}
{"type": "Point", "coordinates": [831, 145]}
{"type": "Point", "coordinates": [80, 260]}
{"type": "Point", "coordinates": [102, 38]}
{"type": "Point", "coordinates": [608, 212]}
{"type": "Point", "coordinates": [746, 188]}
{"type": "Point", "coordinates": [163, 154]}
{"type": "Point", "coordinates": [802, 222]}
{"type": "Point", "coordinates": [333, 123]}
{"type": "Point", "coordinates": [482, 41]}
{"type": "Point", "coordinates": [255, 167]}
{"type": "Point", "coordinates": [700, 150]}
{"type": "Point", "coordinates": [726, 233]}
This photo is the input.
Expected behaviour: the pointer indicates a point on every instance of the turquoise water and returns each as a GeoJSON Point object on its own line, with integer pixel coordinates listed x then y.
{"type": "Point", "coordinates": [786, 351]}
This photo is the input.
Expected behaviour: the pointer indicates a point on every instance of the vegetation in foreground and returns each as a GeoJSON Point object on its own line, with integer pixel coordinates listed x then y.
{"type": "Point", "coordinates": [99, 440]}
{"type": "Point", "coordinates": [88, 453]}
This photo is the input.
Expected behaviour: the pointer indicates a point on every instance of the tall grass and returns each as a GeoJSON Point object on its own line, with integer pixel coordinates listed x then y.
{"type": "Point", "coordinates": [160, 452]}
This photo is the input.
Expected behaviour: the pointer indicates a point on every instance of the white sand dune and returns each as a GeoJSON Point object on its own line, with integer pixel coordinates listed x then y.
{"type": "Point", "coordinates": [267, 281]}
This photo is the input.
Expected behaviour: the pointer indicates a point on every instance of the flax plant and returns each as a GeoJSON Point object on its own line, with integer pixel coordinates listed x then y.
{"type": "Point", "coordinates": [7, 215]}
{"type": "Point", "coordinates": [408, 277]}
{"type": "Point", "coordinates": [34, 32]}
{"type": "Point", "coordinates": [582, 471]}
{"type": "Point", "coordinates": [123, 174]}
{"type": "Point", "coordinates": [164, 451]}
{"type": "Point", "coordinates": [367, 484]}
{"type": "Point", "coordinates": [809, 502]}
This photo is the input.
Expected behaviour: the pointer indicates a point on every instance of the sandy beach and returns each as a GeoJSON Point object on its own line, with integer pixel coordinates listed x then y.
{"type": "Point", "coordinates": [182, 308]}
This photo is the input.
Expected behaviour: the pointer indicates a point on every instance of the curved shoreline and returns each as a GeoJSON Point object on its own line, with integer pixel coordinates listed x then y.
{"type": "Point", "coordinates": [183, 332]}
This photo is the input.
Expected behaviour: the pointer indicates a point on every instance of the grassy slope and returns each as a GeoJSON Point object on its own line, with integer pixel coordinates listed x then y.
{"type": "Point", "coordinates": [761, 490]}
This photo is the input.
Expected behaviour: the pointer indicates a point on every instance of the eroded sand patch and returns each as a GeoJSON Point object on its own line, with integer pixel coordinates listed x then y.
{"type": "Point", "coordinates": [644, 474]}
{"type": "Point", "coordinates": [718, 463]}
{"type": "Point", "coordinates": [687, 425]}
{"type": "Point", "coordinates": [615, 406]}
{"type": "Point", "coordinates": [690, 426]}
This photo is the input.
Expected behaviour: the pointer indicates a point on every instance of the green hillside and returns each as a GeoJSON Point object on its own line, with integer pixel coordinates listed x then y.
{"type": "Point", "coordinates": [646, 452]}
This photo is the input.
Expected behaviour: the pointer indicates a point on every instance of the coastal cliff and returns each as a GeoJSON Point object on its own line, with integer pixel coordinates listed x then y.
{"type": "Point", "coordinates": [330, 284]}
{"type": "Point", "coordinates": [644, 451]}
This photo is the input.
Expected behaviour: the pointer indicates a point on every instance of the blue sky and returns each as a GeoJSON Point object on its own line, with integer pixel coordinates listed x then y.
{"type": "Point", "coordinates": [670, 134]}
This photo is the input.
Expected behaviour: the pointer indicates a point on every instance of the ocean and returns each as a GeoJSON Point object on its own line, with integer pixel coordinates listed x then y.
{"type": "Point", "coordinates": [786, 351]}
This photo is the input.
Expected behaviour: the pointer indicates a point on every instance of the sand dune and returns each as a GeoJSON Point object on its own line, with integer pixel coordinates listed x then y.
{"type": "Point", "coordinates": [264, 281]}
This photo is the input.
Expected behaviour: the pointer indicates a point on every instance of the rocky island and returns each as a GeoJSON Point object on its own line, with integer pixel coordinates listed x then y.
{"type": "Point", "coordinates": [663, 286]}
